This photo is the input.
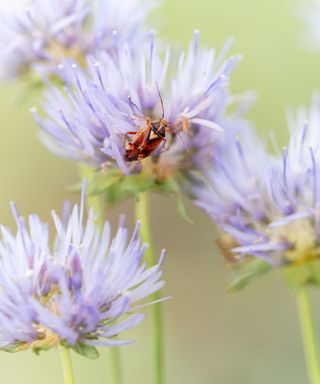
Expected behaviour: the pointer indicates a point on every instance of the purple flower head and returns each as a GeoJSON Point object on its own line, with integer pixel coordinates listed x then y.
{"type": "Point", "coordinates": [95, 119]}
{"type": "Point", "coordinates": [40, 34]}
{"type": "Point", "coordinates": [80, 291]}
{"type": "Point", "coordinates": [266, 205]}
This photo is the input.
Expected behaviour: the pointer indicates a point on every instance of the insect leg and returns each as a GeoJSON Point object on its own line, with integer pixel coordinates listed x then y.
{"type": "Point", "coordinates": [148, 130]}
{"type": "Point", "coordinates": [161, 101]}
{"type": "Point", "coordinates": [126, 135]}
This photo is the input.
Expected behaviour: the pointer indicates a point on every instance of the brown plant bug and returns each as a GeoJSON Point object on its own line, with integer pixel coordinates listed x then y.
{"type": "Point", "coordinates": [147, 139]}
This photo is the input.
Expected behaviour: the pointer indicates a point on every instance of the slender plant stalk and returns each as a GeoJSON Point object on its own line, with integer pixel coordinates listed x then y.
{"type": "Point", "coordinates": [309, 337]}
{"type": "Point", "coordinates": [66, 365]}
{"type": "Point", "coordinates": [115, 366]}
{"type": "Point", "coordinates": [113, 353]}
{"type": "Point", "coordinates": [156, 339]}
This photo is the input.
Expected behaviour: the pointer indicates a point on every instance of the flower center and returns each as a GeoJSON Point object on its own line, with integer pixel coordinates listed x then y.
{"type": "Point", "coordinates": [58, 51]}
{"type": "Point", "coordinates": [301, 235]}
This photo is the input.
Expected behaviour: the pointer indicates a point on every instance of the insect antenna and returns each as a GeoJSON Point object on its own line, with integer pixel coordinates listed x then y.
{"type": "Point", "coordinates": [134, 106]}
{"type": "Point", "coordinates": [161, 101]}
{"type": "Point", "coordinates": [177, 132]}
{"type": "Point", "coordinates": [183, 142]}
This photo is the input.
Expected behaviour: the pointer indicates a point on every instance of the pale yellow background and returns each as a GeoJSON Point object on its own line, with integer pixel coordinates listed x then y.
{"type": "Point", "coordinates": [212, 337]}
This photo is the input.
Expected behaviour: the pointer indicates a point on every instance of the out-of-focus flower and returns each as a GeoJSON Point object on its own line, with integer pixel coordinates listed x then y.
{"type": "Point", "coordinates": [41, 34]}
{"type": "Point", "coordinates": [80, 291]}
{"type": "Point", "coordinates": [95, 119]}
{"type": "Point", "coordinates": [310, 13]}
{"type": "Point", "coordinates": [268, 206]}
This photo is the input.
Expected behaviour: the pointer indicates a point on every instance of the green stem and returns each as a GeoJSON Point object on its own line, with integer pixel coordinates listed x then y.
{"type": "Point", "coordinates": [66, 365]}
{"type": "Point", "coordinates": [114, 353]}
{"type": "Point", "coordinates": [156, 339]}
{"type": "Point", "coordinates": [309, 336]}
{"type": "Point", "coordinates": [115, 366]}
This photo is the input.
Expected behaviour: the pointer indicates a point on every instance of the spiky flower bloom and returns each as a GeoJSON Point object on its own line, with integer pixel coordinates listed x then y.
{"type": "Point", "coordinates": [268, 206]}
{"type": "Point", "coordinates": [40, 34]}
{"type": "Point", "coordinates": [80, 290]}
{"type": "Point", "coordinates": [95, 119]}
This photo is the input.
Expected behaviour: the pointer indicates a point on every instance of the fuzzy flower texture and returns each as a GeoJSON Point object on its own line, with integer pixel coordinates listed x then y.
{"type": "Point", "coordinates": [96, 118]}
{"type": "Point", "coordinates": [80, 292]}
{"type": "Point", "coordinates": [268, 206]}
{"type": "Point", "coordinates": [310, 14]}
{"type": "Point", "coordinates": [39, 35]}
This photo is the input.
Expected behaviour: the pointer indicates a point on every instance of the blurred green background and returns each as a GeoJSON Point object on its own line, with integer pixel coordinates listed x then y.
{"type": "Point", "coordinates": [212, 336]}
